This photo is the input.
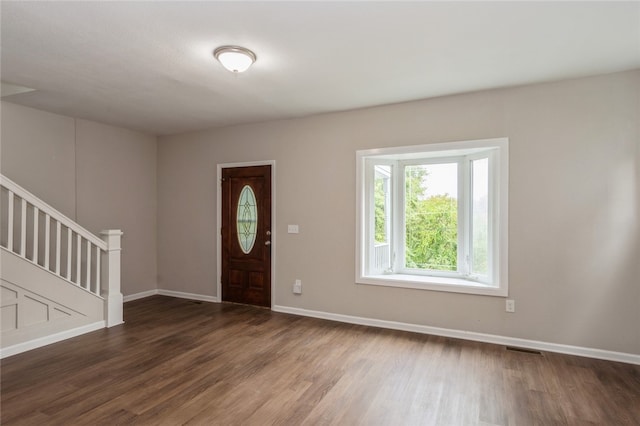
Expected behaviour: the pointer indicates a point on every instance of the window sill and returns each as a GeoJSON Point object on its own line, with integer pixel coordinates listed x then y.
{"type": "Point", "coordinates": [452, 285]}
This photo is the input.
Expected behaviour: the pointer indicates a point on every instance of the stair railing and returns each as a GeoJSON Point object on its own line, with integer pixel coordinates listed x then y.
{"type": "Point", "coordinates": [40, 234]}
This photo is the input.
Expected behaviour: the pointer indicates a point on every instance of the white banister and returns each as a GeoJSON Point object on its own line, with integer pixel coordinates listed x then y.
{"type": "Point", "coordinates": [111, 277]}
{"type": "Point", "coordinates": [102, 273]}
{"type": "Point", "coordinates": [36, 202]}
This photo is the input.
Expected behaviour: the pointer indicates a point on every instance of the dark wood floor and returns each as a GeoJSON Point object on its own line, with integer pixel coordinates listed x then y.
{"type": "Point", "coordinates": [180, 362]}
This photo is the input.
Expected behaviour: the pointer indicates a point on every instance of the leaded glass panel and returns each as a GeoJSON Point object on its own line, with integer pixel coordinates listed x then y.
{"type": "Point", "coordinates": [247, 219]}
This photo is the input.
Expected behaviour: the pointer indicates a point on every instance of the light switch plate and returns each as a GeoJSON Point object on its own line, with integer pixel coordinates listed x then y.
{"type": "Point", "coordinates": [292, 229]}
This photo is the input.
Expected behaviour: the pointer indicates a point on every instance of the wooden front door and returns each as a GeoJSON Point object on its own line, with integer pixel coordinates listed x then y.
{"type": "Point", "coordinates": [246, 235]}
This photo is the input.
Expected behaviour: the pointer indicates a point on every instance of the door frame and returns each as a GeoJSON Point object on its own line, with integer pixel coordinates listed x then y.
{"type": "Point", "coordinates": [220, 167]}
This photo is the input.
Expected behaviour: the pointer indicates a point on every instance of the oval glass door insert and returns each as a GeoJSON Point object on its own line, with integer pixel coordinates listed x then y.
{"type": "Point", "coordinates": [247, 219]}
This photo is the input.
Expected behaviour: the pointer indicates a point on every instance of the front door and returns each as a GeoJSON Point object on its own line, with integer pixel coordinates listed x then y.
{"type": "Point", "coordinates": [246, 235]}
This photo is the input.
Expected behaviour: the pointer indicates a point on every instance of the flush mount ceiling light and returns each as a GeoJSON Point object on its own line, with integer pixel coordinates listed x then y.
{"type": "Point", "coordinates": [235, 58]}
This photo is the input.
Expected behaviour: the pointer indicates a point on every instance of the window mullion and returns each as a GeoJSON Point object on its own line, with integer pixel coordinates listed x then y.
{"type": "Point", "coordinates": [493, 215]}
{"type": "Point", "coordinates": [397, 249]}
{"type": "Point", "coordinates": [464, 217]}
{"type": "Point", "coordinates": [369, 214]}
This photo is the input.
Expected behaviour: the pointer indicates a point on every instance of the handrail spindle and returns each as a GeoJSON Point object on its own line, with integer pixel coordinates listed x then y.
{"type": "Point", "coordinates": [78, 259]}
{"type": "Point", "coordinates": [98, 255]}
{"type": "Point", "coordinates": [23, 229]}
{"type": "Point", "coordinates": [69, 251]}
{"type": "Point", "coordinates": [36, 216]}
{"type": "Point", "coordinates": [88, 284]}
{"type": "Point", "coordinates": [58, 232]}
{"type": "Point", "coordinates": [10, 221]}
{"type": "Point", "coordinates": [47, 238]}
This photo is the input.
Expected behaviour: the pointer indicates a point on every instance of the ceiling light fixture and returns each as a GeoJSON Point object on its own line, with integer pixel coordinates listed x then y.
{"type": "Point", "coordinates": [235, 58]}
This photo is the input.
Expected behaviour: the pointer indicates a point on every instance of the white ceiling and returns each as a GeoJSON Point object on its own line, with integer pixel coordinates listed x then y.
{"type": "Point", "coordinates": [148, 65]}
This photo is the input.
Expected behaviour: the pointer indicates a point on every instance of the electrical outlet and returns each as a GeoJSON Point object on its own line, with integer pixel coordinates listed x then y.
{"type": "Point", "coordinates": [297, 287]}
{"type": "Point", "coordinates": [510, 306]}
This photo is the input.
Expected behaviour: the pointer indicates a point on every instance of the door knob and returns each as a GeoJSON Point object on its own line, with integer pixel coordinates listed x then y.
{"type": "Point", "coordinates": [267, 243]}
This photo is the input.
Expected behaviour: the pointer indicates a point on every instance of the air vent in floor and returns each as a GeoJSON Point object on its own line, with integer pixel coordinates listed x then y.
{"type": "Point", "coordinates": [525, 350]}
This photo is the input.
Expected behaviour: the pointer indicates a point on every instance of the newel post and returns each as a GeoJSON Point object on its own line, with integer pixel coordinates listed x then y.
{"type": "Point", "coordinates": [111, 278]}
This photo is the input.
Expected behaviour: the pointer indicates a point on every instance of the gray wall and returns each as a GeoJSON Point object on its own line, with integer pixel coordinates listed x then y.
{"type": "Point", "coordinates": [101, 176]}
{"type": "Point", "coordinates": [574, 208]}
{"type": "Point", "coordinates": [574, 203]}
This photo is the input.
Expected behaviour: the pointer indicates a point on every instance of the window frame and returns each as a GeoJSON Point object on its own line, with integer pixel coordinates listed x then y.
{"type": "Point", "coordinates": [496, 150]}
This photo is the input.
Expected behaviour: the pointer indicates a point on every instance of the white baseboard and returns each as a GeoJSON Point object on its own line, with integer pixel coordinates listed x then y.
{"type": "Point", "coordinates": [141, 295]}
{"type": "Point", "coordinates": [191, 296]}
{"type": "Point", "coordinates": [47, 340]}
{"type": "Point", "coordinates": [467, 335]}
{"type": "Point", "coordinates": [171, 293]}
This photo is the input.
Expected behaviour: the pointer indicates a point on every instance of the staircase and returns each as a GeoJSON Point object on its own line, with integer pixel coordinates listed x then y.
{"type": "Point", "coordinates": [57, 279]}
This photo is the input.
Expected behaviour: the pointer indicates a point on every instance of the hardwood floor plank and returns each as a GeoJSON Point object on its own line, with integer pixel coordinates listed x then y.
{"type": "Point", "coordinates": [178, 362]}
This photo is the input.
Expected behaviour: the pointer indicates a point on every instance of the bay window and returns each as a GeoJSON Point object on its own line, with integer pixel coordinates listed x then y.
{"type": "Point", "coordinates": [434, 216]}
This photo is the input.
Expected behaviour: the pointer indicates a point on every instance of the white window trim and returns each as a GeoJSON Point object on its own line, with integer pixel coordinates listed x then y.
{"type": "Point", "coordinates": [500, 221]}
